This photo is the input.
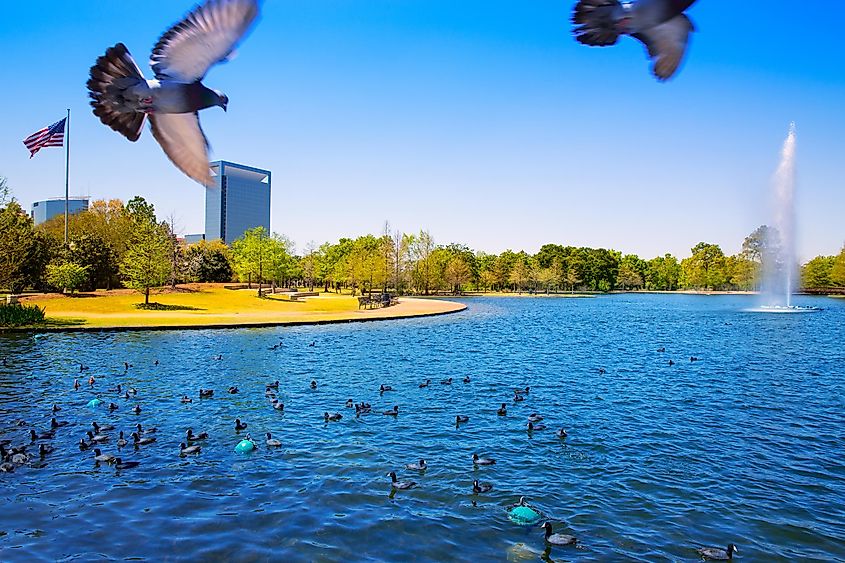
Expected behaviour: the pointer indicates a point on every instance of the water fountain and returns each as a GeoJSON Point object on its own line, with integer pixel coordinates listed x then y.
{"type": "Point", "coordinates": [780, 264]}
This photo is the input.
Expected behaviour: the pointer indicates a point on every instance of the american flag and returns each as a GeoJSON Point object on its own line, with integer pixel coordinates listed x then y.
{"type": "Point", "coordinates": [52, 136]}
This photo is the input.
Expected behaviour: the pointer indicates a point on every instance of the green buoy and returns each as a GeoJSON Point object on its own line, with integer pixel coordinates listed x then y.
{"type": "Point", "coordinates": [524, 515]}
{"type": "Point", "coordinates": [245, 446]}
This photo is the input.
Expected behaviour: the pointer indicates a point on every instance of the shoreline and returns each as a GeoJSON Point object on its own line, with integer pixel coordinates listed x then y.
{"type": "Point", "coordinates": [158, 328]}
{"type": "Point", "coordinates": [212, 308]}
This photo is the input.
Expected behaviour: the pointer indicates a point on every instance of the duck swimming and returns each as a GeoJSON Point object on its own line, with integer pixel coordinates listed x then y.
{"type": "Point", "coordinates": [104, 428]}
{"type": "Point", "coordinates": [313, 384]}
{"type": "Point", "coordinates": [278, 405]}
{"type": "Point", "coordinates": [121, 441]}
{"type": "Point", "coordinates": [120, 464]}
{"type": "Point", "coordinates": [538, 426]}
{"type": "Point", "coordinates": [272, 442]}
{"type": "Point", "coordinates": [43, 436]}
{"type": "Point", "coordinates": [478, 488]}
{"type": "Point", "coordinates": [101, 457]}
{"type": "Point", "coordinates": [112, 407]}
{"type": "Point", "coordinates": [459, 419]}
{"type": "Point", "coordinates": [482, 460]}
{"type": "Point", "coordinates": [206, 393]}
{"type": "Point", "coordinates": [503, 410]}
{"type": "Point", "coordinates": [56, 424]}
{"type": "Point", "coordinates": [446, 381]}
{"type": "Point", "coordinates": [185, 399]}
{"type": "Point", "coordinates": [189, 450]}
{"type": "Point", "coordinates": [274, 385]}
{"type": "Point", "coordinates": [137, 409]}
{"type": "Point", "coordinates": [141, 430]}
{"type": "Point", "coordinates": [561, 433]}
{"type": "Point", "coordinates": [332, 417]}
{"type": "Point", "coordinates": [83, 445]}
{"type": "Point", "coordinates": [421, 466]}
{"type": "Point", "coordinates": [425, 384]}
{"type": "Point", "coordinates": [138, 441]}
{"type": "Point", "coordinates": [44, 449]}
{"type": "Point", "coordinates": [557, 539]}
{"type": "Point", "coordinates": [534, 417]}
{"type": "Point", "coordinates": [517, 398]}
{"type": "Point", "coordinates": [191, 437]}
{"type": "Point", "coordinates": [384, 388]}
{"type": "Point", "coordinates": [394, 412]}
{"type": "Point", "coordinates": [233, 390]}
{"type": "Point", "coordinates": [718, 554]}
{"type": "Point", "coordinates": [240, 425]}
{"type": "Point", "coordinates": [400, 485]}
{"type": "Point", "coordinates": [466, 379]}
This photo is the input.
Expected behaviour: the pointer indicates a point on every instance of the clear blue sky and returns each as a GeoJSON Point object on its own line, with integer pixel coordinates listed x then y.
{"type": "Point", "coordinates": [484, 122]}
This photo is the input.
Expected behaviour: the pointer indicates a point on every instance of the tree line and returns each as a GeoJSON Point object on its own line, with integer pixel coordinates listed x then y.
{"type": "Point", "coordinates": [113, 245]}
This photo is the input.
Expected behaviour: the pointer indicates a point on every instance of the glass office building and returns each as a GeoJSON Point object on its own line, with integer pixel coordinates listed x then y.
{"type": "Point", "coordinates": [238, 200]}
{"type": "Point", "coordinates": [49, 208]}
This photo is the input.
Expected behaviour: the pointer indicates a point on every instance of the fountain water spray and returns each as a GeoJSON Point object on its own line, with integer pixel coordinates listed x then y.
{"type": "Point", "coordinates": [780, 264]}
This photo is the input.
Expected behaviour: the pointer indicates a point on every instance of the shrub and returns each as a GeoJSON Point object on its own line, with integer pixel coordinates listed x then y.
{"type": "Point", "coordinates": [68, 276]}
{"type": "Point", "coordinates": [17, 314]}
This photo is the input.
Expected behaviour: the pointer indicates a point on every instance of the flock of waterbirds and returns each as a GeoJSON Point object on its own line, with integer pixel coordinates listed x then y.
{"type": "Point", "coordinates": [100, 435]}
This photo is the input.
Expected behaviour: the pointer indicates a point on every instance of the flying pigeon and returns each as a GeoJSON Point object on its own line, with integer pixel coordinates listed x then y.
{"type": "Point", "coordinates": [122, 98]}
{"type": "Point", "coordinates": [660, 25]}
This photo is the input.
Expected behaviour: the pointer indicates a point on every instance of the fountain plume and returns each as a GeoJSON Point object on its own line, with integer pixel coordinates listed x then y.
{"type": "Point", "coordinates": [780, 267]}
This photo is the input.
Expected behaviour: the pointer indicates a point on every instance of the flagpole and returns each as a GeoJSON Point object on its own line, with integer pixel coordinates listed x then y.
{"type": "Point", "coordinates": [67, 168]}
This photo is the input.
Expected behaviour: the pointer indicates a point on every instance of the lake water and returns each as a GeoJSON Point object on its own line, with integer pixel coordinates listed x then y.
{"type": "Point", "coordinates": [745, 445]}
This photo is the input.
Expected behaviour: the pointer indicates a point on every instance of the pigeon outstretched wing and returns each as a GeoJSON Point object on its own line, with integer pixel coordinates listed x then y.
{"type": "Point", "coordinates": [205, 37]}
{"type": "Point", "coordinates": [184, 143]}
{"type": "Point", "coordinates": [666, 44]}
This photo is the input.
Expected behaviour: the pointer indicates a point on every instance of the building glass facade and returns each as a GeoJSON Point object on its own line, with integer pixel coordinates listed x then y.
{"type": "Point", "coordinates": [238, 200]}
{"type": "Point", "coordinates": [47, 209]}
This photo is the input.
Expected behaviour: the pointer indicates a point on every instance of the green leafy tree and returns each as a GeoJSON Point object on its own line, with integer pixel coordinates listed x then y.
{"type": "Point", "coordinates": [91, 251]}
{"type": "Point", "coordinates": [146, 263]}
{"type": "Point", "coordinates": [663, 273]}
{"type": "Point", "coordinates": [458, 273]}
{"type": "Point", "coordinates": [424, 268]}
{"type": "Point", "coordinates": [817, 273]}
{"type": "Point", "coordinates": [705, 269]}
{"type": "Point", "coordinates": [209, 262]}
{"type": "Point", "coordinates": [24, 252]}
{"type": "Point", "coordinates": [250, 254]}
{"type": "Point", "coordinates": [67, 276]}
{"type": "Point", "coordinates": [837, 271]}
{"type": "Point", "coordinates": [632, 272]}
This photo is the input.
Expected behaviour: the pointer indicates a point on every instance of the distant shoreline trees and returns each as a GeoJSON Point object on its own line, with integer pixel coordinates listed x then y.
{"type": "Point", "coordinates": [113, 245]}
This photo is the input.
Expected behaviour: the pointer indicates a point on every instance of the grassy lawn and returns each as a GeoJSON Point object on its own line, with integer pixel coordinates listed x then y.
{"type": "Point", "coordinates": [211, 304]}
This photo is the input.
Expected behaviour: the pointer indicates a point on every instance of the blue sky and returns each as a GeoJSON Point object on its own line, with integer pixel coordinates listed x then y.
{"type": "Point", "coordinates": [484, 122]}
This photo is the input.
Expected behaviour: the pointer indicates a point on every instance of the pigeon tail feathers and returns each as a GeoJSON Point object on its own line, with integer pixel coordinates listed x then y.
{"type": "Point", "coordinates": [596, 22]}
{"type": "Point", "coordinates": [110, 77]}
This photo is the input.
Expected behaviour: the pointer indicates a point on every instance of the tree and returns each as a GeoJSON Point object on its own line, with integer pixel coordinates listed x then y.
{"type": "Point", "coordinates": [249, 255]}
{"type": "Point", "coordinates": [837, 271]}
{"type": "Point", "coordinates": [5, 192]}
{"type": "Point", "coordinates": [457, 273]}
{"type": "Point", "coordinates": [146, 263]}
{"type": "Point", "coordinates": [705, 269]}
{"type": "Point", "coordinates": [24, 252]}
{"type": "Point", "coordinates": [208, 262]}
{"type": "Point", "coordinates": [67, 276]}
{"type": "Point", "coordinates": [742, 273]}
{"type": "Point", "coordinates": [422, 249]}
{"type": "Point", "coordinates": [632, 272]}
{"type": "Point", "coordinates": [663, 273]}
{"type": "Point", "coordinates": [310, 265]}
{"type": "Point", "coordinates": [817, 273]}
{"type": "Point", "coordinates": [91, 251]}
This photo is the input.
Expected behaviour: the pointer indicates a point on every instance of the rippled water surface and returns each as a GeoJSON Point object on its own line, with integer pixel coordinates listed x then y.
{"type": "Point", "coordinates": [745, 445]}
